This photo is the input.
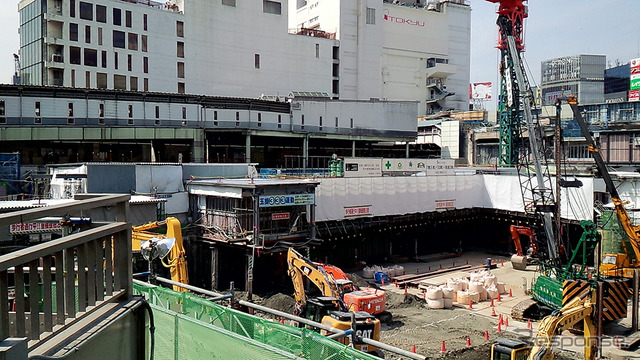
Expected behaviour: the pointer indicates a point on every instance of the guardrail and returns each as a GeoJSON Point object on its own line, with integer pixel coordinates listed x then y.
{"type": "Point", "coordinates": [61, 281]}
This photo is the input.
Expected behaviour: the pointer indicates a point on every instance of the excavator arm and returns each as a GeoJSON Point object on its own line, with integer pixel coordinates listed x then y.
{"type": "Point", "coordinates": [578, 309]}
{"type": "Point", "coordinates": [301, 267]}
{"type": "Point", "coordinates": [175, 260]}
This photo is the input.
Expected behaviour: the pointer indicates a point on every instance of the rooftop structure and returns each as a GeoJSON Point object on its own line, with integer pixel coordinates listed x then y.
{"type": "Point", "coordinates": [580, 75]}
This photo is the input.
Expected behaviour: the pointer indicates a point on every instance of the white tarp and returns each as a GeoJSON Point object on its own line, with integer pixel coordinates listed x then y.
{"type": "Point", "coordinates": [340, 198]}
{"type": "Point", "coordinates": [65, 188]}
{"type": "Point", "coordinates": [166, 182]}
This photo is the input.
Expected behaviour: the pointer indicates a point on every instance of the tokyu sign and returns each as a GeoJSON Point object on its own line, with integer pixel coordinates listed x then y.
{"type": "Point", "coordinates": [287, 200]}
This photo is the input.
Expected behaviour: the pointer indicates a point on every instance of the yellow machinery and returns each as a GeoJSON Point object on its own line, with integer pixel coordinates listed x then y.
{"type": "Point", "coordinates": [175, 260]}
{"type": "Point", "coordinates": [618, 265]}
{"type": "Point", "coordinates": [578, 309]}
{"type": "Point", "coordinates": [328, 309]}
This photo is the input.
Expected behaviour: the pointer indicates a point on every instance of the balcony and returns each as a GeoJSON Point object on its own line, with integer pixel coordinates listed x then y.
{"type": "Point", "coordinates": [56, 62]}
{"type": "Point", "coordinates": [441, 70]}
{"type": "Point", "coordinates": [313, 33]}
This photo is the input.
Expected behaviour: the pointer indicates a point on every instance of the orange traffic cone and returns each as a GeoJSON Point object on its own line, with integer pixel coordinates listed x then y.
{"type": "Point", "coordinates": [502, 263]}
{"type": "Point", "coordinates": [395, 282]}
{"type": "Point", "coordinates": [467, 262]}
{"type": "Point", "coordinates": [492, 303]}
{"type": "Point", "coordinates": [510, 293]}
{"type": "Point", "coordinates": [506, 321]}
{"type": "Point", "coordinates": [468, 341]}
{"type": "Point", "coordinates": [493, 312]}
{"type": "Point", "coordinates": [470, 304]}
{"type": "Point", "coordinates": [405, 290]}
{"type": "Point", "coordinates": [444, 348]}
{"type": "Point", "coordinates": [529, 325]}
{"type": "Point", "coordinates": [499, 329]}
{"type": "Point", "coordinates": [500, 320]}
{"type": "Point", "coordinates": [281, 320]}
{"type": "Point", "coordinates": [382, 280]}
{"type": "Point", "coordinates": [413, 350]}
{"type": "Point", "coordinates": [486, 335]}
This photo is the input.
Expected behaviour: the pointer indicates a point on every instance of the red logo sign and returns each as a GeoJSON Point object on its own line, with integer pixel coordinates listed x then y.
{"type": "Point", "coordinates": [280, 216]}
{"type": "Point", "coordinates": [401, 20]}
{"type": "Point", "coordinates": [357, 211]}
{"type": "Point", "coordinates": [634, 95]}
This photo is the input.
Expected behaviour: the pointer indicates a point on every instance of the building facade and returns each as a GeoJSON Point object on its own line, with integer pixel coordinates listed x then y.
{"type": "Point", "coordinates": [580, 75]}
{"type": "Point", "coordinates": [364, 49]}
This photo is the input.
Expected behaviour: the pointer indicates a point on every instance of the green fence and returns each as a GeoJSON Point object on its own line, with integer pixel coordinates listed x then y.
{"type": "Point", "coordinates": [189, 327]}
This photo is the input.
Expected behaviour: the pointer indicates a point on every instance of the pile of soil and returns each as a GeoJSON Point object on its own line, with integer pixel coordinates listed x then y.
{"type": "Point", "coordinates": [281, 302]}
{"type": "Point", "coordinates": [358, 280]}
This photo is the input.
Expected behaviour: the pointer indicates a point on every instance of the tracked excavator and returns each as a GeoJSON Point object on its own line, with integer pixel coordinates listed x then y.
{"type": "Point", "coordinates": [175, 260]}
{"type": "Point", "coordinates": [579, 309]}
{"type": "Point", "coordinates": [520, 260]}
{"type": "Point", "coordinates": [329, 309]}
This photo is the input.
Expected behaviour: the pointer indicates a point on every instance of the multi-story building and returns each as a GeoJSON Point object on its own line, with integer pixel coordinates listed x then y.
{"type": "Point", "coordinates": [351, 50]}
{"type": "Point", "coordinates": [581, 75]}
{"type": "Point", "coordinates": [616, 83]}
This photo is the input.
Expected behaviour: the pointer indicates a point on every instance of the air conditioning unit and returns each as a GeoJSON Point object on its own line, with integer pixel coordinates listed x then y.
{"type": "Point", "coordinates": [636, 141]}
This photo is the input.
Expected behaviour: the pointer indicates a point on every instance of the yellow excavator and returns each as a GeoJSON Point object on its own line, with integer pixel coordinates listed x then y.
{"type": "Point", "coordinates": [329, 309]}
{"type": "Point", "coordinates": [578, 309]}
{"type": "Point", "coordinates": [175, 260]}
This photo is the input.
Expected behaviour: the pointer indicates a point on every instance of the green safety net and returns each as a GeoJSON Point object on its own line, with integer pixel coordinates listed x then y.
{"type": "Point", "coordinates": [190, 327]}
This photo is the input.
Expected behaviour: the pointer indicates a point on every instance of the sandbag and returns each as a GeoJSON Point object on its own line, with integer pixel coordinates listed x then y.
{"type": "Point", "coordinates": [448, 303]}
{"type": "Point", "coordinates": [454, 284]}
{"type": "Point", "coordinates": [434, 293]}
{"type": "Point", "coordinates": [447, 292]}
{"type": "Point", "coordinates": [492, 292]}
{"type": "Point", "coordinates": [490, 280]}
{"type": "Point", "coordinates": [500, 287]}
{"type": "Point", "coordinates": [478, 287]}
{"type": "Point", "coordinates": [435, 304]}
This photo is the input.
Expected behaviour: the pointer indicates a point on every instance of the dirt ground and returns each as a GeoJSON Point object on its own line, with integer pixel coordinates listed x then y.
{"type": "Point", "coordinates": [414, 324]}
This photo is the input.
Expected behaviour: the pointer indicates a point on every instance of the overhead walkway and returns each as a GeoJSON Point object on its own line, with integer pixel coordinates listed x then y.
{"type": "Point", "coordinates": [190, 327]}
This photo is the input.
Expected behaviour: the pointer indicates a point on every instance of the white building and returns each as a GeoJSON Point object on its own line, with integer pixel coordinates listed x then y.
{"type": "Point", "coordinates": [349, 49]}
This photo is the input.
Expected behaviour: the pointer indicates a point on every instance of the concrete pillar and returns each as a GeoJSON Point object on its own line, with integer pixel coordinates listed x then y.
{"type": "Point", "coordinates": [312, 220]}
{"type": "Point", "coordinates": [406, 150]}
{"type": "Point", "coordinates": [247, 148]}
{"type": "Point", "coordinates": [353, 148]}
{"type": "Point", "coordinates": [215, 264]}
{"type": "Point", "coordinates": [305, 152]}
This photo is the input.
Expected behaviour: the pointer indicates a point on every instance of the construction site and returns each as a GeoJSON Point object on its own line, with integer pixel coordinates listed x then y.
{"type": "Point", "coordinates": [363, 257]}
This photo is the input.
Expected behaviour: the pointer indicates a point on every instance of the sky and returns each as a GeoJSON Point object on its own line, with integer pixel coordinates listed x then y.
{"type": "Point", "coordinates": [554, 28]}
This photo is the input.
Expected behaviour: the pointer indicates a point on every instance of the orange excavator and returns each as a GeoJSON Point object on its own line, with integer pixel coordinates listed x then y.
{"type": "Point", "coordinates": [519, 259]}
{"type": "Point", "coordinates": [368, 299]}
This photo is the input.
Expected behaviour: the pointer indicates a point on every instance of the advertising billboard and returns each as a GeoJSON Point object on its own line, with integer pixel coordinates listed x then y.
{"type": "Point", "coordinates": [634, 78]}
{"type": "Point", "coordinates": [362, 167]}
{"type": "Point", "coordinates": [481, 90]}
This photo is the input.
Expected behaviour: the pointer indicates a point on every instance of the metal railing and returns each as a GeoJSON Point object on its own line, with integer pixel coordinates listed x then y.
{"type": "Point", "coordinates": [61, 281]}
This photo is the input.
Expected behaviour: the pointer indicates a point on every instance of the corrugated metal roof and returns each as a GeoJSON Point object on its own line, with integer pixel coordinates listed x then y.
{"type": "Point", "coordinates": [30, 204]}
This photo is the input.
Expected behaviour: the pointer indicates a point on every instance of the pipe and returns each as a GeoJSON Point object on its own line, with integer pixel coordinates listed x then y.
{"type": "Point", "coordinates": [392, 349]}
{"type": "Point", "coordinates": [190, 287]}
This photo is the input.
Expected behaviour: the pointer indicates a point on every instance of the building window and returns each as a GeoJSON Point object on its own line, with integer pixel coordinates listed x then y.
{"type": "Point", "coordinates": [70, 113]}
{"type": "Point", "coordinates": [271, 7]}
{"type": "Point", "coordinates": [179, 29]}
{"type": "Point", "coordinates": [317, 50]}
{"type": "Point", "coordinates": [229, 2]}
{"type": "Point", "coordinates": [215, 118]}
{"type": "Point", "coordinates": [115, 60]}
{"type": "Point", "coordinates": [72, 8]}
{"type": "Point", "coordinates": [181, 89]}
{"type": "Point", "coordinates": [73, 78]}
{"type": "Point", "coordinates": [74, 55]}
{"type": "Point", "coordinates": [157, 112]}
{"type": "Point", "coordinates": [181, 70]}
{"type": "Point", "coordinates": [320, 123]}
{"type": "Point", "coordinates": [237, 118]}
{"type": "Point", "coordinates": [101, 82]}
{"type": "Point", "coordinates": [127, 18]}
{"type": "Point", "coordinates": [259, 119]}
{"type": "Point", "coordinates": [144, 22]}
{"type": "Point", "coordinates": [117, 16]}
{"type": "Point", "coordinates": [101, 110]}
{"type": "Point", "coordinates": [371, 16]}
{"type": "Point", "coordinates": [256, 60]}
{"type": "Point", "coordinates": [73, 32]}
{"type": "Point", "coordinates": [279, 121]}
{"type": "Point", "coordinates": [2, 111]}
{"type": "Point", "coordinates": [133, 83]}
{"type": "Point", "coordinates": [145, 65]}
{"type": "Point", "coordinates": [90, 57]}
{"type": "Point", "coordinates": [118, 39]}
{"type": "Point", "coordinates": [87, 34]}
{"type": "Point", "coordinates": [37, 109]}
{"type": "Point", "coordinates": [130, 111]}
{"type": "Point", "coordinates": [133, 41]}
{"type": "Point", "coordinates": [119, 82]}
{"type": "Point", "coordinates": [144, 43]}
{"type": "Point", "coordinates": [86, 11]}
{"type": "Point", "coordinates": [87, 79]}
{"type": "Point", "coordinates": [336, 121]}
{"type": "Point", "coordinates": [129, 62]}
{"type": "Point", "coordinates": [145, 83]}
{"type": "Point", "coordinates": [184, 113]}
{"type": "Point", "coordinates": [103, 56]}
{"type": "Point", "coordinates": [99, 36]}
{"type": "Point", "coordinates": [302, 122]}
{"type": "Point", "coordinates": [180, 49]}
{"type": "Point", "coordinates": [351, 123]}
{"type": "Point", "coordinates": [101, 13]}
